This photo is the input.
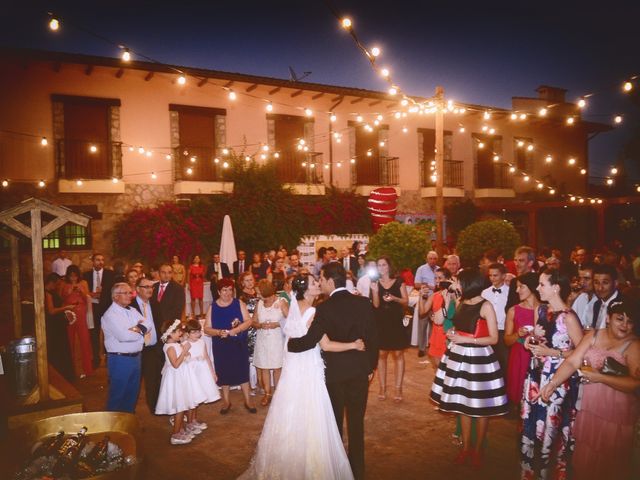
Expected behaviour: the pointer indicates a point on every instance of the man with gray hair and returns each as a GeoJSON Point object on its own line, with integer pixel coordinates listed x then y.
{"type": "Point", "coordinates": [124, 329]}
{"type": "Point", "coordinates": [426, 276]}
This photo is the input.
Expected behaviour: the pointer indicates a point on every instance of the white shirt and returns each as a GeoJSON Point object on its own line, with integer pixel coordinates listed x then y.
{"type": "Point", "coordinates": [426, 274]}
{"type": "Point", "coordinates": [499, 301]}
{"type": "Point", "coordinates": [584, 308]}
{"type": "Point", "coordinates": [60, 265]}
{"type": "Point", "coordinates": [116, 323]}
{"type": "Point", "coordinates": [364, 285]}
{"type": "Point", "coordinates": [338, 290]}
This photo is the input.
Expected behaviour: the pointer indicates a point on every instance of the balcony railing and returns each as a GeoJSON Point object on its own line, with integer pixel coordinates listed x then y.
{"type": "Point", "coordinates": [495, 175]}
{"type": "Point", "coordinates": [89, 160]}
{"type": "Point", "coordinates": [196, 163]}
{"type": "Point", "coordinates": [299, 167]}
{"type": "Point", "coordinates": [384, 171]}
{"type": "Point", "coordinates": [453, 174]}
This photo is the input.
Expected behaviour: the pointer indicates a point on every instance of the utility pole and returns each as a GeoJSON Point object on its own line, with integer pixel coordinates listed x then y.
{"type": "Point", "coordinates": [439, 101]}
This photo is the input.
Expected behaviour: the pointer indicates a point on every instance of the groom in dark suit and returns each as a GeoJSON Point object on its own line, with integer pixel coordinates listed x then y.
{"type": "Point", "coordinates": [345, 318]}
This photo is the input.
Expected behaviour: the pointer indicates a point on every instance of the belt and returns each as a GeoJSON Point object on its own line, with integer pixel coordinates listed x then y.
{"type": "Point", "coordinates": [122, 354]}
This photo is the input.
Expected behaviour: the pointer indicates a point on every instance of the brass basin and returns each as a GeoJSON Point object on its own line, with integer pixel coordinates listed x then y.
{"type": "Point", "coordinates": [123, 428]}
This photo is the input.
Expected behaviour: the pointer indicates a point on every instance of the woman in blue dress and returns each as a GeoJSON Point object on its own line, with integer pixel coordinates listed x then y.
{"type": "Point", "coordinates": [227, 323]}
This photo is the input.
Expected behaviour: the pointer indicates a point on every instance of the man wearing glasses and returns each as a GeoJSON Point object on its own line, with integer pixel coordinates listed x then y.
{"type": "Point", "coordinates": [152, 354]}
{"type": "Point", "coordinates": [124, 331]}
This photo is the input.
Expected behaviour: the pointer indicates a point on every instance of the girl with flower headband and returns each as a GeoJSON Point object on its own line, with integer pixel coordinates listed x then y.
{"type": "Point", "coordinates": [176, 393]}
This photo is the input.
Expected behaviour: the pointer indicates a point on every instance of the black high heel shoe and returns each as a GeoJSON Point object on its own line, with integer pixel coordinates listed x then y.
{"type": "Point", "coordinates": [250, 409]}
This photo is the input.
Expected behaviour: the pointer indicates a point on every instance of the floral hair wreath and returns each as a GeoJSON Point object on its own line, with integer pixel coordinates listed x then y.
{"type": "Point", "coordinates": [170, 330]}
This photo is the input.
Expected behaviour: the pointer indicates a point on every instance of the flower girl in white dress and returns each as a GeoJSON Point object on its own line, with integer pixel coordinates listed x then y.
{"type": "Point", "coordinates": [176, 395]}
{"type": "Point", "coordinates": [300, 438]}
{"type": "Point", "coordinates": [203, 375]}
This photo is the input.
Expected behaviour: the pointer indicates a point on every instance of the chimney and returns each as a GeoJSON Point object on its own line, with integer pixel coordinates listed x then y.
{"type": "Point", "coordinates": [551, 94]}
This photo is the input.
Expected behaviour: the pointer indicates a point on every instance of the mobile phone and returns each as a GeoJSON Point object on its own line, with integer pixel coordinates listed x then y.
{"type": "Point", "coordinates": [373, 274]}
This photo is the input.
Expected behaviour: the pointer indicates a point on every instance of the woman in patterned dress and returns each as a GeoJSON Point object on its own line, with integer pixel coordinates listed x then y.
{"type": "Point", "coordinates": [547, 438]}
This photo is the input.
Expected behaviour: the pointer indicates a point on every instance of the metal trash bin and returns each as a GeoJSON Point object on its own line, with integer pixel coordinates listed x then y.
{"type": "Point", "coordinates": [22, 368]}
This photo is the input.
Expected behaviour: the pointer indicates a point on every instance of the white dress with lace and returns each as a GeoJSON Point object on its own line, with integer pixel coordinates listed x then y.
{"type": "Point", "coordinates": [300, 438]}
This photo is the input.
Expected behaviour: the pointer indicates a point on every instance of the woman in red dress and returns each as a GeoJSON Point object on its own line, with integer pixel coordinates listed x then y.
{"type": "Point", "coordinates": [75, 291]}
{"type": "Point", "coordinates": [196, 285]}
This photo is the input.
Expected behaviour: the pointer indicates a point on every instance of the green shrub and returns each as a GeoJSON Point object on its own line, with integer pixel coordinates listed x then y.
{"type": "Point", "coordinates": [405, 245]}
{"type": "Point", "coordinates": [479, 237]}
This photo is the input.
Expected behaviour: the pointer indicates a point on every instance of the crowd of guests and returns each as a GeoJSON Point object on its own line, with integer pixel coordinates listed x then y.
{"type": "Point", "coordinates": [550, 341]}
{"type": "Point", "coordinates": [556, 343]}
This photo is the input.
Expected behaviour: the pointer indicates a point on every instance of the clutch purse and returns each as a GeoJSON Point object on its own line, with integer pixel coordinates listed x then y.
{"type": "Point", "coordinates": [613, 367]}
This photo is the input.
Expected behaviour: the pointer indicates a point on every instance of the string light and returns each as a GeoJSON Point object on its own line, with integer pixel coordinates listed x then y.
{"type": "Point", "coordinates": [530, 147]}
{"type": "Point", "coordinates": [627, 86]}
{"type": "Point", "coordinates": [609, 181]}
{"type": "Point", "coordinates": [333, 118]}
{"type": "Point", "coordinates": [269, 107]}
{"type": "Point", "coordinates": [5, 183]}
{"type": "Point", "coordinates": [514, 116]}
{"type": "Point", "coordinates": [42, 184]}
{"type": "Point", "coordinates": [346, 23]}
{"type": "Point", "coordinates": [126, 55]}
{"type": "Point", "coordinates": [232, 95]}
{"type": "Point", "coordinates": [405, 130]}
{"type": "Point", "coordinates": [570, 120]}
{"type": "Point", "coordinates": [225, 165]}
{"type": "Point", "coordinates": [168, 156]}
{"type": "Point", "coordinates": [617, 119]}
{"type": "Point", "coordinates": [114, 180]}
{"type": "Point", "coordinates": [308, 112]}
{"type": "Point", "coordinates": [189, 171]}
{"type": "Point", "coordinates": [614, 171]}
{"type": "Point", "coordinates": [548, 159]}
{"type": "Point", "coordinates": [44, 142]}
{"type": "Point", "coordinates": [461, 130]}
{"type": "Point", "coordinates": [583, 171]}
{"type": "Point", "coordinates": [582, 103]}
{"type": "Point", "coordinates": [393, 91]}
{"type": "Point", "coordinates": [93, 149]}
{"type": "Point", "coordinates": [526, 178]}
{"type": "Point", "coordinates": [542, 112]}
{"type": "Point", "coordinates": [140, 150]}
{"type": "Point", "coordinates": [572, 161]}
{"type": "Point", "coordinates": [148, 153]}
{"type": "Point", "coordinates": [154, 176]}
{"type": "Point", "coordinates": [523, 116]}
{"type": "Point", "coordinates": [385, 72]}
{"type": "Point", "coordinates": [552, 191]}
{"type": "Point", "coordinates": [182, 80]}
{"type": "Point", "coordinates": [54, 24]}
{"type": "Point", "coordinates": [79, 183]}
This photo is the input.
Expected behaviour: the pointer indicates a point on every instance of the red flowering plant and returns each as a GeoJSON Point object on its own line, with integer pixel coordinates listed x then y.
{"type": "Point", "coordinates": [155, 234]}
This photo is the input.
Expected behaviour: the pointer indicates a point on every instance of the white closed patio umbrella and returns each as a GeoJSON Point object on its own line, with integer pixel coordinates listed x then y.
{"type": "Point", "coordinates": [228, 253]}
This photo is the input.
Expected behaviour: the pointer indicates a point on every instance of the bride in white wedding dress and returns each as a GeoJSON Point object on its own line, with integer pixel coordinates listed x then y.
{"type": "Point", "coordinates": [300, 439]}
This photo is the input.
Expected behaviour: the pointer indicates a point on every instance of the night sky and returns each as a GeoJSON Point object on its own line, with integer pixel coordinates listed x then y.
{"type": "Point", "coordinates": [481, 52]}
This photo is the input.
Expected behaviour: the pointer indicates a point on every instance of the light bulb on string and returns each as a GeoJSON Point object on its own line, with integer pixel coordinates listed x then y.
{"type": "Point", "coordinates": [385, 72]}
{"type": "Point", "coordinates": [168, 156]}
{"type": "Point", "coordinates": [44, 142]}
{"type": "Point", "coordinates": [54, 24]}
{"type": "Point", "coordinates": [346, 23]}
{"type": "Point", "coordinates": [333, 118]}
{"type": "Point", "coordinates": [375, 51]}
{"type": "Point", "coordinates": [276, 155]}
{"type": "Point", "coordinates": [79, 183]}
{"type": "Point", "coordinates": [93, 149]}
{"type": "Point", "coordinates": [609, 181]}
{"type": "Point", "coordinates": [627, 86]}
{"type": "Point", "coordinates": [308, 112]}
{"type": "Point", "coordinates": [552, 191]}
{"type": "Point", "coordinates": [5, 183]}
{"type": "Point", "coordinates": [540, 186]}
{"type": "Point", "coordinates": [42, 184]}
{"type": "Point", "coordinates": [548, 159]}
{"type": "Point", "coordinates": [570, 120]}
{"type": "Point", "coordinates": [583, 171]}
{"type": "Point", "coordinates": [523, 116]}
{"type": "Point", "coordinates": [131, 149]}
{"type": "Point", "coordinates": [599, 201]}
{"type": "Point", "coordinates": [353, 160]}
{"type": "Point", "coordinates": [614, 171]}
{"type": "Point", "coordinates": [269, 107]}
{"type": "Point", "coordinates": [182, 80]}
{"type": "Point", "coordinates": [514, 116]}
{"type": "Point", "coordinates": [149, 153]}
{"type": "Point", "coordinates": [154, 176]}
{"type": "Point", "coordinates": [114, 180]}
{"type": "Point", "coordinates": [393, 91]}
{"type": "Point", "coordinates": [225, 165]}
{"type": "Point", "coordinates": [512, 169]}
{"type": "Point", "coordinates": [140, 150]}
{"type": "Point", "coordinates": [543, 112]}
{"type": "Point", "coordinates": [126, 55]}
{"type": "Point", "coordinates": [530, 147]}
{"type": "Point", "coordinates": [572, 161]}
{"type": "Point", "coordinates": [486, 115]}
{"type": "Point", "coordinates": [520, 144]}
{"type": "Point", "coordinates": [405, 130]}
{"type": "Point", "coordinates": [617, 119]}
{"type": "Point", "coordinates": [496, 158]}
{"type": "Point", "coordinates": [526, 178]}
{"type": "Point", "coordinates": [232, 95]}
{"type": "Point", "coordinates": [582, 103]}
{"type": "Point", "coordinates": [461, 129]}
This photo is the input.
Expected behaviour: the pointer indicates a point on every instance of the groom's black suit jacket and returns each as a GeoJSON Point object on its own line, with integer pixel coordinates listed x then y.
{"type": "Point", "coordinates": [344, 317]}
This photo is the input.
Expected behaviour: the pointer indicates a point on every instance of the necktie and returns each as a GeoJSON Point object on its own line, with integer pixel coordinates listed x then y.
{"type": "Point", "coordinates": [147, 334]}
{"type": "Point", "coordinates": [497, 290]}
{"type": "Point", "coordinates": [241, 266]}
{"type": "Point", "coordinates": [98, 280]}
{"type": "Point", "coordinates": [144, 310]}
{"type": "Point", "coordinates": [161, 291]}
{"type": "Point", "coordinates": [346, 263]}
{"type": "Point", "coordinates": [596, 313]}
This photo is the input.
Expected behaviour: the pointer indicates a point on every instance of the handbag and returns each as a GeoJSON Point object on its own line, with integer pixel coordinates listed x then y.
{"type": "Point", "coordinates": [613, 367]}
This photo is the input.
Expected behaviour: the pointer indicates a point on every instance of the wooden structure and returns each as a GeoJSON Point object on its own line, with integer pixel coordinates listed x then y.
{"type": "Point", "coordinates": [32, 210]}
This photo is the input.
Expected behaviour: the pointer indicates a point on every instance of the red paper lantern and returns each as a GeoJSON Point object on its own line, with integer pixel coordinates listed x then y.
{"type": "Point", "coordinates": [383, 205]}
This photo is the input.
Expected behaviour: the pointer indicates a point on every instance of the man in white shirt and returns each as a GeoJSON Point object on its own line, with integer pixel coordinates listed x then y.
{"type": "Point", "coordinates": [497, 294]}
{"type": "Point", "coordinates": [363, 286]}
{"type": "Point", "coordinates": [61, 263]}
{"type": "Point", "coordinates": [124, 329]}
{"type": "Point", "coordinates": [426, 276]}
{"type": "Point", "coordinates": [605, 284]}
{"type": "Point", "coordinates": [583, 304]}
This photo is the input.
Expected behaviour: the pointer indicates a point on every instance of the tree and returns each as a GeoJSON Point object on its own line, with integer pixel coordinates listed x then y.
{"type": "Point", "coordinates": [460, 215]}
{"type": "Point", "coordinates": [405, 245]}
{"type": "Point", "coordinates": [479, 237]}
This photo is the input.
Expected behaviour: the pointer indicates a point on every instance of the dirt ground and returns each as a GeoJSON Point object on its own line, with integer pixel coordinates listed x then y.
{"type": "Point", "coordinates": [407, 440]}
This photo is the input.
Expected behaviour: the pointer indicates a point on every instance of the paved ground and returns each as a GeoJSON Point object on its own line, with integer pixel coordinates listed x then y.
{"type": "Point", "coordinates": [410, 440]}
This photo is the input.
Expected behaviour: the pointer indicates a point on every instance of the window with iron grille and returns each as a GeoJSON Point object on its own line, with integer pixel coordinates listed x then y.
{"type": "Point", "coordinates": [87, 137]}
{"type": "Point", "coordinates": [69, 237]}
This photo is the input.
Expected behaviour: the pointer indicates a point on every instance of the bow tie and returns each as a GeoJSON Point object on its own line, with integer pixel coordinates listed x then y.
{"type": "Point", "coordinates": [496, 290]}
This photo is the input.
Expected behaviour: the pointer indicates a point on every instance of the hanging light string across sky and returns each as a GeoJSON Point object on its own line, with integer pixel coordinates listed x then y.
{"type": "Point", "coordinates": [411, 105]}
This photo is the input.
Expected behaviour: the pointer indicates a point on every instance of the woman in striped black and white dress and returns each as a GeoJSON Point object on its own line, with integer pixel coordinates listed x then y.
{"type": "Point", "coordinates": [469, 381]}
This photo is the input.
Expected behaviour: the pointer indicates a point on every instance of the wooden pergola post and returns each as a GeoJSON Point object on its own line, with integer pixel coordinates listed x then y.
{"type": "Point", "coordinates": [36, 231]}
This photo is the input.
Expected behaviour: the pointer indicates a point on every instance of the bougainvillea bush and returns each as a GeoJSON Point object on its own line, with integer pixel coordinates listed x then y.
{"type": "Point", "coordinates": [264, 214]}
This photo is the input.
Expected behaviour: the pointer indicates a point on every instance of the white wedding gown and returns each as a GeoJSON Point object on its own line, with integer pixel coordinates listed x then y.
{"type": "Point", "coordinates": [300, 439]}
